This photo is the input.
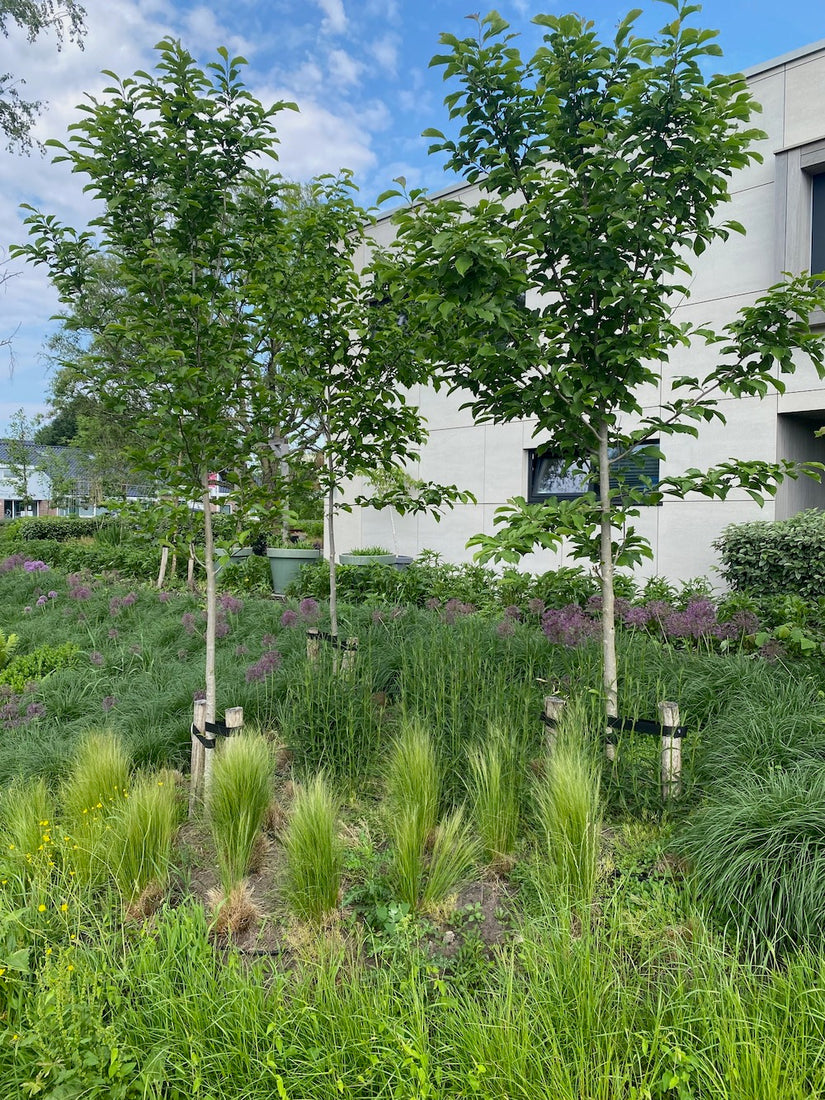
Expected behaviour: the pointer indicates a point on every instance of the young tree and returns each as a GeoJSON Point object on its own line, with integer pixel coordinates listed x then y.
{"type": "Point", "coordinates": [344, 357]}
{"type": "Point", "coordinates": [601, 166]}
{"type": "Point", "coordinates": [173, 160]}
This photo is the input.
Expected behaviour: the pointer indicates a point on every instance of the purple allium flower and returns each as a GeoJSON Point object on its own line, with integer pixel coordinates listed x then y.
{"type": "Point", "coordinates": [80, 592]}
{"type": "Point", "coordinates": [636, 617]}
{"type": "Point", "coordinates": [230, 603]}
{"type": "Point", "coordinates": [52, 595]}
{"type": "Point", "coordinates": [26, 609]}
{"type": "Point", "coordinates": [42, 601]}
{"type": "Point", "coordinates": [377, 616]}
{"type": "Point", "coordinates": [128, 600]}
{"type": "Point", "coordinates": [9, 712]}
{"type": "Point", "coordinates": [188, 622]}
{"type": "Point", "coordinates": [14, 561]}
{"type": "Point", "coordinates": [241, 651]}
{"type": "Point", "coordinates": [535, 606]}
{"type": "Point", "coordinates": [433, 604]}
{"type": "Point", "coordinates": [222, 628]}
{"type": "Point", "coordinates": [309, 609]}
{"type": "Point", "coordinates": [35, 710]}
{"type": "Point", "coordinates": [164, 597]}
{"type": "Point", "coordinates": [114, 605]}
{"type": "Point", "coordinates": [505, 628]}
{"type": "Point", "coordinates": [114, 633]}
{"type": "Point", "coordinates": [289, 618]}
{"type": "Point", "coordinates": [265, 665]}
{"type": "Point", "coordinates": [268, 640]}
{"type": "Point", "coordinates": [35, 566]}
{"type": "Point", "coordinates": [512, 612]}
{"type": "Point", "coordinates": [96, 658]}
{"type": "Point", "coordinates": [569, 626]}
{"type": "Point", "coordinates": [108, 702]}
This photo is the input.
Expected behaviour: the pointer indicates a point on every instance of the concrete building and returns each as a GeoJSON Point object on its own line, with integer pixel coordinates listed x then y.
{"type": "Point", "coordinates": [781, 203]}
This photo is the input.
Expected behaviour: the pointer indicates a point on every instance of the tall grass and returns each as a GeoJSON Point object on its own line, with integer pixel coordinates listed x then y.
{"type": "Point", "coordinates": [139, 841]}
{"type": "Point", "coordinates": [495, 784]}
{"type": "Point", "coordinates": [91, 794]}
{"type": "Point", "coordinates": [568, 812]}
{"type": "Point", "coordinates": [758, 852]}
{"type": "Point", "coordinates": [313, 851]}
{"type": "Point", "coordinates": [454, 853]}
{"type": "Point", "coordinates": [236, 802]}
{"type": "Point", "coordinates": [413, 795]}
{"type": "Point", "coordinates": [26, 817]}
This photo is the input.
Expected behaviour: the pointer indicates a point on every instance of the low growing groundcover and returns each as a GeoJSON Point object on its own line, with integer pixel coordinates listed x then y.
{"type": "Point", "coordinates": [394, 889]}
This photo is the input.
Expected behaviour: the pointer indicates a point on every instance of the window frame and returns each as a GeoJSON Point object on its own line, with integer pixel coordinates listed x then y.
{"type": "Point", "coordinates": [536, 455]}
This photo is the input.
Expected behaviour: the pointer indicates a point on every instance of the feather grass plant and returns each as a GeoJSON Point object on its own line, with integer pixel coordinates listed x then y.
{"type": "Point", "coordinates": [495, 793]}
{"type": "Point", "coordinates": [236, 802]}
{"type": "Point", "coordinates": [314, 853]}
{"type": "Point", "coordinates": [26, 818]}
{"type": "Point", "coordinates": [413, 795]}
{"type": "Point", "coordinates": [454, 853]}
{"type": "Point", "coordinates": [568, 812]}
{"type": "Point", "coordinates": [92, 792]}
{"type": "Point", "coordinates": [139, 841]}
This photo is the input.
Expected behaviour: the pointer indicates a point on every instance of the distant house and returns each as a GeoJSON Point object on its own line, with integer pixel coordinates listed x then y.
{"type": "Point", "coordinates": [781, 203]}
{"type": "Point", "coordinates": [40, 480]}
{"type": "Point", "coordinates": [37, 480]}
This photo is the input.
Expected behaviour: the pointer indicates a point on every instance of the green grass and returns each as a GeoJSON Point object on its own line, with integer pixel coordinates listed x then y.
{"type": "Point", "coordinates": [495, 786]}
{"type": "Point", "coordinates": [313, 851]}
{"type": "Point", "coordinates": [412, 803]}
{"type": "Point", "coordinates": [236, 802]}
{"type": "Point", "coordinates": [139, 843]}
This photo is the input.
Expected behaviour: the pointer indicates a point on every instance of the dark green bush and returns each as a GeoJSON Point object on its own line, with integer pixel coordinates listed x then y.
{"type": "Point", "coordinates": [60, 528]}
{"type": "Point", "coordinates": [779, 557]}
{"type": "Point", "coordinates": [142, 563]}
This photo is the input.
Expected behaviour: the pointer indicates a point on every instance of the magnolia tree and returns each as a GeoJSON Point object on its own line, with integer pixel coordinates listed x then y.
{"type": "Point", "coordinates": [342, 361]}
{"type": "Point", "coordinates": [173, 160]}
{"type": "Point", "coordinates": [601, 167]}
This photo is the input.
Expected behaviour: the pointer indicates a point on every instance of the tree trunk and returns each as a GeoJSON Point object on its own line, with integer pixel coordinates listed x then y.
{"type": "Point", "coordinates": [333, 594]}
{"type": "Point", "coordinates": [609, 665]}
{"type": "Point", "coordinates": [211, 603]}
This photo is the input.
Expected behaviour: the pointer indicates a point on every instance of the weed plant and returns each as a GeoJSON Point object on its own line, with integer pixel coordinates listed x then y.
{"type": "Point", "coordinates": [313, 850]}
{"type": "Point", "coordinates": [236, 802]}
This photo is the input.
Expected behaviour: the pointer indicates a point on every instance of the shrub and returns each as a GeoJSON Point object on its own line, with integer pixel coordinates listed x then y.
{"type": "Point", "coordinates": [236, 802]}
{"type": "Point", "coordinates": [28, 667]}
{"type": "Point", "coordinates": [314, 855]}
{"type": "Point", "coordinates": [758, 852]}
{"type": "Point", "coordinates": [60, 528]}
{"type": "Point", "coordinates": [773, 557]}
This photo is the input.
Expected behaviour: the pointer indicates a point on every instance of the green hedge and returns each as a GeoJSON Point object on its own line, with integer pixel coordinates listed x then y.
{"type": "Point", "coordinates": [142, 563]}
{"type": "Point", "coordinates": [59, 528]}
{"type": "Point", "coordinates": [779, 557]}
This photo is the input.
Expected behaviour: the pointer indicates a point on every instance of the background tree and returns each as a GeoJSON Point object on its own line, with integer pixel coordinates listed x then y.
{"type": "Point", "coordinates": [21, 456]}
{"type": "Point", "coordinates": [345, 354]}
{"type": "Point", "coordinates": [601, 166]}
{"type": "Point", "coordinates": [65, 19]}
{"type": "Point", "coordinates": [174, 161]}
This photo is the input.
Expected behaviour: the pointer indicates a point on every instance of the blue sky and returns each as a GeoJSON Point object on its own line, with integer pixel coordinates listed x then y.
{"type": "Point", "coordinates": [358, 70]}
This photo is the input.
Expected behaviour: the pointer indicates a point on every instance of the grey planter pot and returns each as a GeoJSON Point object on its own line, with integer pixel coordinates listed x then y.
{"type": "Point", "coordinates": [241, 553]}
{"type": "Point", "coordinates": [366, 559]}
{"type": "Point", "coordinates": [285, 565]}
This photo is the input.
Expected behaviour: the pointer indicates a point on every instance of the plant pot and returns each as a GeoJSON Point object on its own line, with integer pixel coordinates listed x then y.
{"type": "Point", "coordinates": [402, 561]}
{"type": "Point", "coordinates": [366, 559]}
{"type": "Point", "coordinates": [239, 554]}
{"type": "Point", "coordinates": [285, 564]}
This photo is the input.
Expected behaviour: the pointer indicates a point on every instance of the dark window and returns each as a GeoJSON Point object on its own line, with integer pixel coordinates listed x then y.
{"type": "Point", "coordinates": [548, 476]}
{"type": "Point", "coordinates": [818, 224]}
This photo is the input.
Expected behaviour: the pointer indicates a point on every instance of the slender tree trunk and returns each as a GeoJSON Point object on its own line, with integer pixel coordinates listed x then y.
{"type": "Point", "coordinates": [609, 665]}
{"type": "Point", "coordinates": [211, 603]}
{"type": "Point", "coordinates": [333, 593]}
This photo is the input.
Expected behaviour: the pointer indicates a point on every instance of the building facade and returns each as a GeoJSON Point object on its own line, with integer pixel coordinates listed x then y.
{"type": "Point", "coordinates": [781, 203]}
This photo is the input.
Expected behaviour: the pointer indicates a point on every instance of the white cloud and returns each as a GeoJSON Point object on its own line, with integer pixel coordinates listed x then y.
{"type": "Point", "coordinates": [204, 32]}
{"type": "Point", "coordinates": [336, 18]}
{"type": "Point", "coordinates": [385, 51]}
{"type": "Point", "coordinates": [318, 140]}
{"type": "Point", "coordinates": [344, 68]}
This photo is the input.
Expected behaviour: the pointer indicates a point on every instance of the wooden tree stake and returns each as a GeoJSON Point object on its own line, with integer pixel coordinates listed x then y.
{"type": "Point", "coordinates": [348, 656]}
{"type": "Point", "coordinates": [198, 762]}
{"type": "Point", "coordinates": [553, 707]}
{"type": "Point", "coordinates": [313, 645]}
{"type": "Point", "coordinates": [671, 752]}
